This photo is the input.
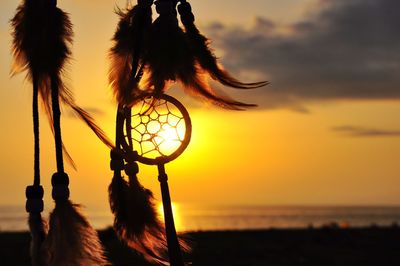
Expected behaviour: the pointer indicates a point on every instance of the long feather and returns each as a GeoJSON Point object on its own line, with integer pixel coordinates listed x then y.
{"type": "Point", "coordinates": [197, 85]}
{"type": "Point", "coordinates": [71, 240]}
{"type": "Point", "coordinates": [171, 57]}
{"type": "Point", "coordinates": [136, 221]}
{"type": "Point", "coordinates": [168, 52]}
{"type": "Point", "coordinates": [130, 42]}
{"type": "Point", "coordinates": [205, 56]}
{"type": "Point", "coordinates": [209, 62]}
{"type": "Point", "coordinates": [42, 36]}
{"type": "Point", "coordinates": [38, 229]}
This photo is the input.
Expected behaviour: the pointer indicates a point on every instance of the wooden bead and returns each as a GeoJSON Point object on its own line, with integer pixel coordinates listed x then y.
{"type": "Point", "coordinates": [59, 179]}
{"type": "Point", "coordinates": [34, 205]}
{"type": "Point", "coordinates": [117, 165]}
{"type": "Point", "coordinates": [116, 154]}
{"type": "Point", "coordinates": [60, 192]}
{"type": "Point", "coordinates": [132, 169]}
{"type": "Point", "coordinates": [34, 192]}
{"type": "Point", "coordinates": [184, 8]}
{"type": "Point", "coordinates": [164, 7]}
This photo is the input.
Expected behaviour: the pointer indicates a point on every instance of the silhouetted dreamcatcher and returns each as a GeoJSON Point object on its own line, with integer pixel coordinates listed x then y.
{"type": "Point", "coordinates": [42, 36]}
{"type": "Point", "coordinates": [152, 127]}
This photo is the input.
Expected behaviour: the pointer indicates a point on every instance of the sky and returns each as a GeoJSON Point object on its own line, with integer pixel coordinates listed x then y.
{"type": "Point", "coordinates": [325, 132]}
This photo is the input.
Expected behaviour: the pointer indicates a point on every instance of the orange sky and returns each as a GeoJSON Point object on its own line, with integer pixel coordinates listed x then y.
{"type": "Point", "coordinates": [261, 156]}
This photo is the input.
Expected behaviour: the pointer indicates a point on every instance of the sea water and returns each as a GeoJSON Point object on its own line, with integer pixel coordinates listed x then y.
{"type": "Point", "coordinates": [191, 217]}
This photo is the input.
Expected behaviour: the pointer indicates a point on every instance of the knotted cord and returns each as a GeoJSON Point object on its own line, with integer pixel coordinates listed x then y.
{"type": "Point", "coordinates": [57, 123]}
{"type": "Point", "coordinates": [35, 113]}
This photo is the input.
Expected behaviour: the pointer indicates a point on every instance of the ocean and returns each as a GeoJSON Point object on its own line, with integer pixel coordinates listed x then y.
{"type": "Point", "coordinates": [190, 217]}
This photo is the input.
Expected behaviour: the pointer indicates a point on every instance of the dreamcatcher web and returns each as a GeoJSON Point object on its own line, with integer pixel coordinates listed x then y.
{"type": "Point", "coordinates": [156, 129]}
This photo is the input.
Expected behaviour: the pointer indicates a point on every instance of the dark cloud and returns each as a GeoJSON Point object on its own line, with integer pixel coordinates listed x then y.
{"type": "Point", "coordinates": [348, 49]}
{"type": "Point", "coordinates": [355, 131]}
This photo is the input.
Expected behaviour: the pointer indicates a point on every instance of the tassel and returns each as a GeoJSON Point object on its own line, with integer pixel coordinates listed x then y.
{"type": "Point", "coordinates": [38, 229]}
{"type": "Point", "coordinates": [204, 55]}
{"type": "Point", "coordinates": [71, 240]}
{"type": "Point", "coordinates": [136, 221]}
{"type": "Point", "coordinates": [170, 57]}
{"type": "Point", "coordinates": [130, 43]}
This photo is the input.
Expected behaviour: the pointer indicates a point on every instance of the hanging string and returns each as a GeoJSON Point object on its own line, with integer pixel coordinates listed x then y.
{"type": "Point", "coordinates": [57, 123]}
{"type": "Point", "coordinates": [35, 112]}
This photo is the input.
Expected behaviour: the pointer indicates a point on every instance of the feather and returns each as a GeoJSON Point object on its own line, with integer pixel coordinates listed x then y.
{"type": "Point", "coordinates": [38, 229]}
{"type": "Point", "coordinates": [130, 42]}
{"type": "Point", "coordinates": [197, 85]}
{"type": "Point", "coordinates": [171, 57]}
{"type": "Point", "coordinates": [42, 36]}
{"type": "Point", "coordinates": [168, 53]}
{"type": "Point", "coordinates": [71, 240]}
{"type": "Point", "coordinates": [205, 57]}
{"type": "Point", "coordinates": [136, 221]}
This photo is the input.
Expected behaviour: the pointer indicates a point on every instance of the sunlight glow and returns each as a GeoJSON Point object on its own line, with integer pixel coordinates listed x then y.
{"type": "Point", "coordinates": [158, 128]}
{"type": "Point", "coordinates": [176, 212]}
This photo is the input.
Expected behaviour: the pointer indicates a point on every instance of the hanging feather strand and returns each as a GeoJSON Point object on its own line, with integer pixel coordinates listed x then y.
{"type": "Point", "coordinates": [136, 221]}
{"type": "Point", "coordinates": [130, 41]}
{"type": "Point", "coordinates": [171, 56]}
{"type": "Point", "coordinates": [71, 240]}
{"type": "Point", "coordinates": [42, 38]}
{"type": "Point", "coordinates": [41, 44]}
{"type": "Point", "coordinates": [205, 56]}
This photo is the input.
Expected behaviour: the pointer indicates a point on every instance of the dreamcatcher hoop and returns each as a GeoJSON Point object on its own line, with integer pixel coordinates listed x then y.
{"type": "Point", "coordinates": [155, 130]}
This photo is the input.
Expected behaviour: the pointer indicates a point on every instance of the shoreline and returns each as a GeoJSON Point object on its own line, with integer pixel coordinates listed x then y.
{"type": "Point", "coordinates": [374, 246]}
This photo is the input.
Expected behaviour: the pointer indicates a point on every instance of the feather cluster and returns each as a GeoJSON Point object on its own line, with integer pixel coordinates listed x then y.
{"type": "Point", "coordinates": [166, 53]}
{"type": "Point", "coordinates": [38, 229]}
{"type": "Point", "coordinates": [136, 221]}
{"type": "Point", "coordinates": [71, 240]}
{"type": "Point", "coordinates": [131, 40]}
{"type": "Point", "coordinates": [42, 36]}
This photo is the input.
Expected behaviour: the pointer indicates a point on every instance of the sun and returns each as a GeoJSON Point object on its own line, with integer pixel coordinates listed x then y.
{"type": "Point", "coordinates": [169, 138]}
{"type": "Point", "coordinates": [158, 129]}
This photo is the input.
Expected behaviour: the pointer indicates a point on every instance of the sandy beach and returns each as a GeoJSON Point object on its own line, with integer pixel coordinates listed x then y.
{"type": "Point", "coordinates": [322, 247]}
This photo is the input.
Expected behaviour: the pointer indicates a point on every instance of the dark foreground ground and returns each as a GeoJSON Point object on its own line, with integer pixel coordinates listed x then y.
{"type": "Point", "coordinates": [320, 247]}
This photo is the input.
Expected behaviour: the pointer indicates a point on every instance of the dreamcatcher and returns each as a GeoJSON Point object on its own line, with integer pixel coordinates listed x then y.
{"type": "Point", "coordinates": [42, 36]}
{"type": "Point", "coordinates": [152, 127]}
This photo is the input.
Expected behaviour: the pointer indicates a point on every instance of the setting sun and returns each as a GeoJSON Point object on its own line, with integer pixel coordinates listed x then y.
{"type": "Point", "coordinates": [158, 127]}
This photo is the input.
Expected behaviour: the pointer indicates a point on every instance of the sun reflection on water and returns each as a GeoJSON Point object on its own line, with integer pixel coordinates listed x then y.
{"type": "Point", "coordinates": [176, 212]}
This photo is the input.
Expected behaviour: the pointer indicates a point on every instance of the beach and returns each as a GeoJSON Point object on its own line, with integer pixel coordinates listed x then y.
{"type": "Point", "coordinates": [377, 246]}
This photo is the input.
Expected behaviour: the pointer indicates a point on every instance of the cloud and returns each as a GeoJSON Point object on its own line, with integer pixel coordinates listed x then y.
{"type": "Point", "coordinates": [346, 49]}
{"type": "Point", "coordinates": [356, 131]}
